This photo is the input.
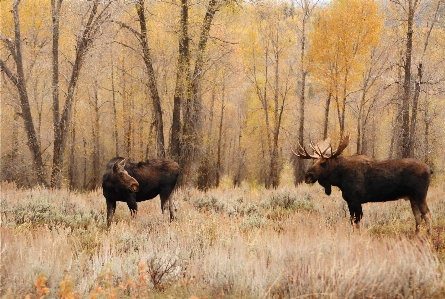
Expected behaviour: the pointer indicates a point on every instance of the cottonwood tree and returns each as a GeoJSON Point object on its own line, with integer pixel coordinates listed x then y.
{"type": "Point", "coordinates": [269, 69]}
{"type": "Point", "coordinates": [192, 103]}
{"type": "Point", "coordinates": [343, 36]}
{"type": "Point", "coordinates": [94, 19]}
{"type": "Point", "coordinates": [143, 39]}
{"type": "Point", "coordinates": [97, 15]}
{"type": "Point", "coordinates": [185, 138]}
{"type": "Point", "coordinates": [231, 119]}
{"type": "Point", "coordinates": [409, 98]}
{"type": "Point", "coordinates": [17, 78]}
{"type": "Point", "coordinates": [182, 79]}
{"type": "Point", "coordinates": [306, 10]}
{"type": "Point", "coordinates": [367, 98]}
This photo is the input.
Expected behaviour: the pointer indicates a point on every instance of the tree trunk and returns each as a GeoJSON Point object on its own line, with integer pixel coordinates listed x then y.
{"type": "Point", "coordinates": [182, 82]}
{"type": "Point", "coordinates": [113, 98]}
{"type": "Point", "coordinates": [395, 150]}
{"type": "Point", "coordinates": [71, 161]}
{"type": "Point", "coordinates": [274, 179]}
{"type": "Point", "coordinates": [418, 85]}
{"type": "Point", "coordinates": [412, 129]}
{"type": "Point", "coordinates": [128, 128]}
{"type": "Point", "coordinates": [326, 116]}
{"type": "Point", "coordinates": [191, 128]}
{"type": "Point", "coordinates": [56, 176]}
{"type": "Point", "coordinates": [95, 181]}
{"type": "Point", "coordinates": [406, 97]}
{"type": "Point", "coordinates": [220, 135]}
{"type": "Point", "coordinates": [299, 163]}
{"type": "Point", "coordinates": [343, 104]}
{"type": "Point", "coordinates": [85, 164]}
{"type": "Point", "coordinates": [426, 157]}
{"type": "Point", "coordinates": [159, 125]}
{"type": "Point", "coordinates": [360, 125]}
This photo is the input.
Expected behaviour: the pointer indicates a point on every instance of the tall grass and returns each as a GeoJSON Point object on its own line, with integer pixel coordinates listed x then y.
{"type": "Point", "coordinates": [231, 243]}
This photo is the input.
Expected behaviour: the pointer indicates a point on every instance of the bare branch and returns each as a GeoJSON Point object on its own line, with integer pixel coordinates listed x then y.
{"type": "Point", "coordinates": [123, 25]}
{"type": "Point", "coordinates": [9, 74]}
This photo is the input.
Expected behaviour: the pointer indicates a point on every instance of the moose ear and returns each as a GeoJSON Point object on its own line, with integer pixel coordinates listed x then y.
{"type": "Point", "coordinates": [118, 165]}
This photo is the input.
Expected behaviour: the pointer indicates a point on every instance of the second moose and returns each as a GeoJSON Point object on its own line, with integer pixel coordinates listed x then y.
{"type": "Point", "coordinates": [134, 182]}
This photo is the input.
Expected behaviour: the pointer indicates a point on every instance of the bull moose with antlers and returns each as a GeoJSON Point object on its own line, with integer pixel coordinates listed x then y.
{"type": "Point", "coordinates": [362, 179]}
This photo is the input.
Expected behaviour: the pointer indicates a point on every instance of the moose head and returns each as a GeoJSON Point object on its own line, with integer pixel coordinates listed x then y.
{"type": "Point", "coordinates": [121, 177]}
{"type": "Point", "coordinates": [323, 169]}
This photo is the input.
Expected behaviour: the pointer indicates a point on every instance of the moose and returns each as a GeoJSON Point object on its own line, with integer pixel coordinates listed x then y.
{"type": "Point", "coordinates": [362, 179]}
{"type": "Point", "coordinates": [134, 182]}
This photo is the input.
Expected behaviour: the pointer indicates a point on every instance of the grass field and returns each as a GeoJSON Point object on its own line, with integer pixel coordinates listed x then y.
{"type": "Point", "coordinates": [226, 243]}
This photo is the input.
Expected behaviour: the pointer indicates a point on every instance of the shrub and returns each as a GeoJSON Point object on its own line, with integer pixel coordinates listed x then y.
{"type": "Point", "coordinates": [44, 212]}
{"type": "Point", "coordinates": [288, 200]}
{"type": "Point", "coordinates": [253, 221]}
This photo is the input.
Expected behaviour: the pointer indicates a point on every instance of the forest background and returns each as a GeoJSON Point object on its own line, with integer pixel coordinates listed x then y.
{"type": "Point", "coordinates": [226, 88]}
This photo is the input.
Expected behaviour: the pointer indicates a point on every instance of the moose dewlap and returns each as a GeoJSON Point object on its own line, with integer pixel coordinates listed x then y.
{"type": "Point", "coordinates": [362, 179]}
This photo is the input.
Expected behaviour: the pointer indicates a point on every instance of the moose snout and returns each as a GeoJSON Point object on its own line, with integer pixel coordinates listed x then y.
{"type": "Point", "coordinates": [309, 179]}
{"type": "Point", "coordinates": [134, 188]}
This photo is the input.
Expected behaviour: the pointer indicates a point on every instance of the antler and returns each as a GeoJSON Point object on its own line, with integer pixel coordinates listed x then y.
{"type": "Point", "coordinates": [322, 149]}
{"type": "Point", "coordinates": [342, 145]}
{"type": "Point", "coordinates": [303, 154]}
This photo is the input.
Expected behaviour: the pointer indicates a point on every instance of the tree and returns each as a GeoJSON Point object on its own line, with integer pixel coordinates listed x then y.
{"type": "Point", "coordinates": [182, 80]}
{"type": "Point", "coordinates": [191, 135]}
{"type": "Point", "coordinates": [238, 94]}
{"type": "Point", "coordinates": [143, 39]}
{"type": "Point", "coordinates": [371, 90]}
{"type": "Point", "coordinates": [269, 70]}
{"type": "Point", "coordinates": [94, 21]}
{"type": "Point", "coordinates": [307, 9]}
{"type": "Point", "coordinates": [18, 79]}
{"type": "Point", "coordinates": [341, 41]}
{"type": "Point", "coordinates": [419, 18]}
{"type": "Point", "coordinates": [405, 98]}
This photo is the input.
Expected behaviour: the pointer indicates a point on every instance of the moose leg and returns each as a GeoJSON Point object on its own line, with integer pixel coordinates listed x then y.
{"type": "Point", "coordinates": [356, 212]}
{"type": "Point", "coordinates": [417, 215]}
{"type": "Point", "coordinates": [426, 215]}
{"type": "Point", "coordinates": [132, 205]}
{"type": "Point", "coordinates": [164, 198]}
{"type": "Point", "coordinates": [111, 208]}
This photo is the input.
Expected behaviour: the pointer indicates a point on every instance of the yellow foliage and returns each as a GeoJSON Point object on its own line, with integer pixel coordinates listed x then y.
{"type": "Point", "coordinates": [67, 290]}
{"type": "Point", "coordinates": [35, 17]}
{"type": "Point", "coordinates": [342, 38]}
{"type": "Point", "coordinates": [41, 287]}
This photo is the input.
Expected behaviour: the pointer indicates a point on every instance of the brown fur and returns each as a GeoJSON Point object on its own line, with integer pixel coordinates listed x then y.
{"type": "Point", "coordinates": [362, 179]}
{"type": "Point", "coordinates": [155, 176]}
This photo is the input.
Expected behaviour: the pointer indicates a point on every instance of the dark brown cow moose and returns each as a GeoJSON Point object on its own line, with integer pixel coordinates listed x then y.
{"type": "Point", "coordinates": [362, 179]}
{"type": "Point", "coordinates": [133, 182]}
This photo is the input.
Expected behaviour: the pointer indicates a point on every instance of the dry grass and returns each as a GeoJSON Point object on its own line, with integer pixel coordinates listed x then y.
{"type": "Point", "coordinates": [226, 243]}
